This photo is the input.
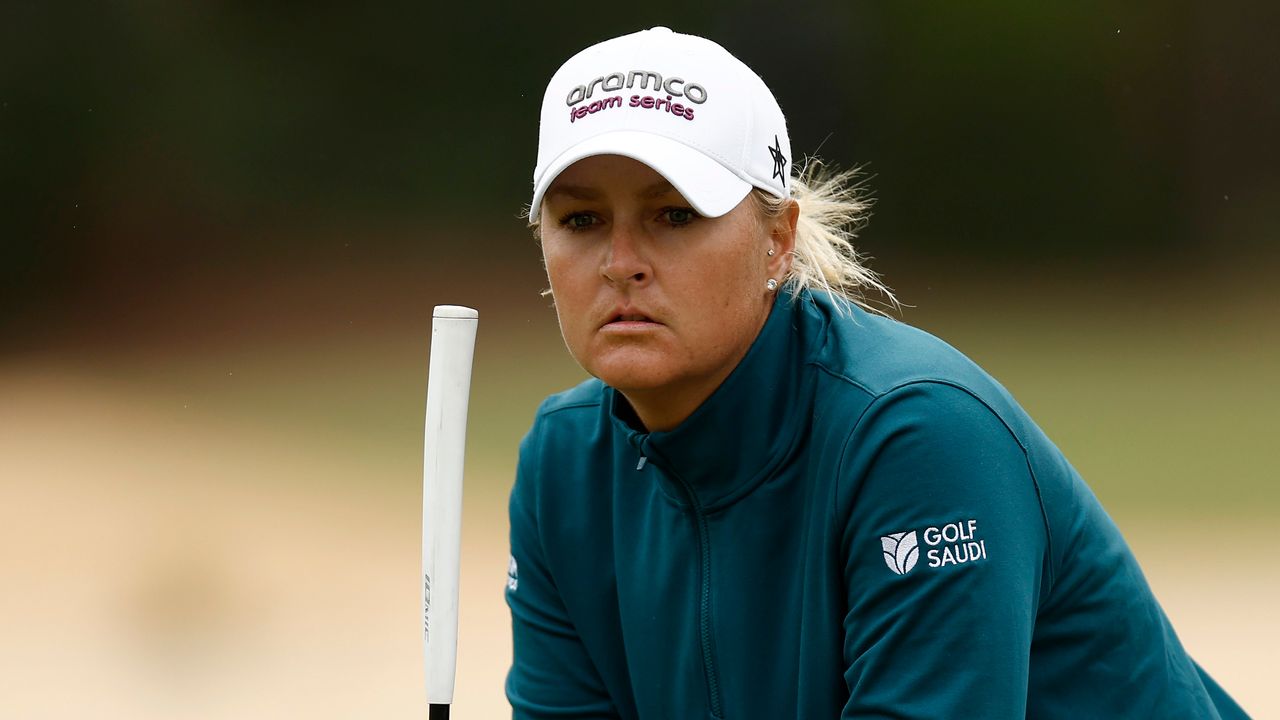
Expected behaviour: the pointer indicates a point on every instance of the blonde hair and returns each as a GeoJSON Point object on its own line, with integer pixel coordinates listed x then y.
{"type": "Point", "coordinates": [834, 206]}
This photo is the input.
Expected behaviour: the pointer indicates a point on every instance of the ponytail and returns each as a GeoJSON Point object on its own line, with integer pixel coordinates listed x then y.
{"type": "Point", "coordinates": [833, 208]}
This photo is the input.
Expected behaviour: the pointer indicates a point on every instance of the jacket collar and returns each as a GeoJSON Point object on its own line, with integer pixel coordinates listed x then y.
{"type": "Point", "coordinates": [740, 435]}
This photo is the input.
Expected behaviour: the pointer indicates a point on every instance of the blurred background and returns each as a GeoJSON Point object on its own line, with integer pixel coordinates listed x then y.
{"type": "Point", "coordinates": [224, 226]}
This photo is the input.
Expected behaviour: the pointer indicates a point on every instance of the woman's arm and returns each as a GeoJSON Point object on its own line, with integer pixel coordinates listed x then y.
{"type": "Point", "coordinates": [946, 548]}
{"type": "Point", "coordinates": [552, 675]}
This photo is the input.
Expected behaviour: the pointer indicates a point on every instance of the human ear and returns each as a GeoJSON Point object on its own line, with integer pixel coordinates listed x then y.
{"type": "Point", "coordinates": [782, 239]}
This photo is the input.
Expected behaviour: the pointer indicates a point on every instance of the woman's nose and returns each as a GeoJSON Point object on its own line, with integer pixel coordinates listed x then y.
{"type": "Point", "coordinates": [625, 259]}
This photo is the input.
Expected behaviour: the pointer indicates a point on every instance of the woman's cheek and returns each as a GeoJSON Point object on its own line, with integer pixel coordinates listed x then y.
{"type": "Point", "coordinates": [559, 274]}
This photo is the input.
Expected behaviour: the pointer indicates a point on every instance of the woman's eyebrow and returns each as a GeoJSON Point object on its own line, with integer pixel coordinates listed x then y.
{"type": "Point", "coordinates": [577, 192]}
{"type": "Point", "coordinates": [658, 189]}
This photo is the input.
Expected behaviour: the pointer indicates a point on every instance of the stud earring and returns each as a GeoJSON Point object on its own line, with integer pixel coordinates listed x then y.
{"type": "Point", "coordinates": [772, 284]}
{"type": "Point", "coordinates": [770, 252]}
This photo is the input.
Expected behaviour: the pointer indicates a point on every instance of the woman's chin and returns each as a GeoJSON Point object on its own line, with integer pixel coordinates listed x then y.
{"type": "Point", "coordinates": [629, 371]}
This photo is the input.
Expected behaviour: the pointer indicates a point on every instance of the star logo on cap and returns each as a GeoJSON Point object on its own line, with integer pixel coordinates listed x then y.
{"type": "Point", "coordinates": [779, 160]}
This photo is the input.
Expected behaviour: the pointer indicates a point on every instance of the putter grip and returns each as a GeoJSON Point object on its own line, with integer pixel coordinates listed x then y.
{"type": "Point", "coordinates": [453, 335]}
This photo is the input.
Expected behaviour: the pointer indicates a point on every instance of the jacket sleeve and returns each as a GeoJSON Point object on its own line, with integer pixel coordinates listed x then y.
{"type": "Point", "coordinates": [946, 546]}
{"type": "Point", "coordinates": [552, 676]}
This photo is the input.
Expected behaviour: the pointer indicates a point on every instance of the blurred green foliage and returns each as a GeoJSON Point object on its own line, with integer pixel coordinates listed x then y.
{"type": "Point", "coordinates": [137, 136]}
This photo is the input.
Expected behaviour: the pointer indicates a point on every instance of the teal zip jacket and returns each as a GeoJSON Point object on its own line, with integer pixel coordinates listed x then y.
{"type": "Point", "coordinates": [858, 523]}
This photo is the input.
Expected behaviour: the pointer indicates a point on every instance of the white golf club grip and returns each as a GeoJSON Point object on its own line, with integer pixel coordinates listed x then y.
{"type": "Point", "coordinates": [453, 337]}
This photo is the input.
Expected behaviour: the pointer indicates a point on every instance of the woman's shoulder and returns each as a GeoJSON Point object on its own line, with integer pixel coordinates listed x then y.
{"type": "Point", "coordinates": [568, 416]}
{"type": "Point", "coordinates": [568, 445]}
{"type": "Point", "coordinates": [587, 394]}
{"type": "Point", "coordinates": [878, 354]}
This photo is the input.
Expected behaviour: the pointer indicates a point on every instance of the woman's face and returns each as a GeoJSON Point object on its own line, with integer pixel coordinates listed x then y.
{"type": "Point", "coordinates": [653, 299]}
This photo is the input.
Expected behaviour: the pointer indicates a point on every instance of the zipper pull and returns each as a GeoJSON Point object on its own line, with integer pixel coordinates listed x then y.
{"type": "Point", "coordinates": [643, 460]}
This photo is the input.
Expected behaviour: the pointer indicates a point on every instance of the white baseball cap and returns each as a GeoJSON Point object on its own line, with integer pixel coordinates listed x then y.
{"type": "Point", "coordinates": [680, 104]}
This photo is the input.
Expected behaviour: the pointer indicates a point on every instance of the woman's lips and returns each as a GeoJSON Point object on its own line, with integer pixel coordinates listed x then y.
{"type": "Point", "coordinates": [630, 321]}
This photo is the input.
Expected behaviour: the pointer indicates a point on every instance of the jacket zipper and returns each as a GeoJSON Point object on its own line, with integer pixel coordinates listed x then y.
{"type": "Point", "coordinates": [704, 599]}
{"type": "Point", "coordinates": [704, 610]}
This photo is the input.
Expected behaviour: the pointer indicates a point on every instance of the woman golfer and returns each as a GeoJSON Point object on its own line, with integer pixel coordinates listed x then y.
{"type": "Point", "coordinates": [770, 502]}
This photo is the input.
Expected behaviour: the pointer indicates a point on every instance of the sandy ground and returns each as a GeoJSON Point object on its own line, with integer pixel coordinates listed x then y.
{"type": "Point", "coordinates": [158, 564]}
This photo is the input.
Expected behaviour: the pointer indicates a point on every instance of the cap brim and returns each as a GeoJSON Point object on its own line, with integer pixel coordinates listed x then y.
{"type": "Point", "coordinates": [710, 187]}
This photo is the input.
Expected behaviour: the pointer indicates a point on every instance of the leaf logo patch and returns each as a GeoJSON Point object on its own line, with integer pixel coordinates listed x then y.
{"type": "Point", "coordinates": [901, 550]}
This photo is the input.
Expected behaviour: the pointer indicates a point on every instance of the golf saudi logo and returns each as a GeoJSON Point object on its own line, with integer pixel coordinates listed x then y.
{"type": "Point", "coordinates": [954, 543]}
{"type": "Point", "coordinates": [901, 550]}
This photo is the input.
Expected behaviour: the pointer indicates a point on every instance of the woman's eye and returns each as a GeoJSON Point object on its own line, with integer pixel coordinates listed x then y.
{"type": "Point", "coordinates": [680, 216]}
{"type": "Point", "coordinates": [577, 221]}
